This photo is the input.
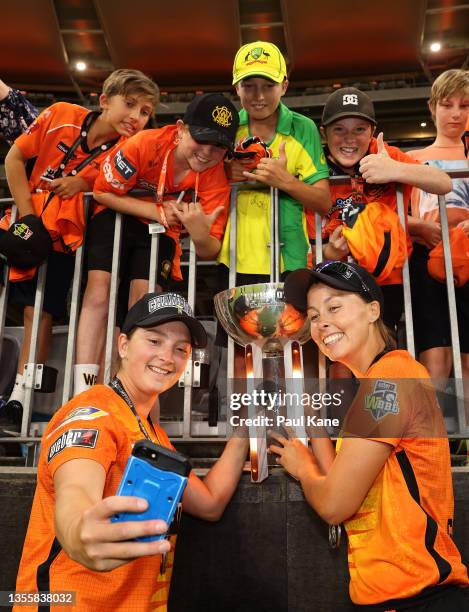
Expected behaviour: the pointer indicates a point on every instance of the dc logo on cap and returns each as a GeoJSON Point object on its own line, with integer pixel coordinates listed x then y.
{"type": "Point", "coordinates": [222, 116]}
{"type": "Point", "coordinates": [350, 99]}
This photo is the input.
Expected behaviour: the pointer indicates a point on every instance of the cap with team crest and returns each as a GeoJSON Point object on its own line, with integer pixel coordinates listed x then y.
{"type": "Point", "coordinates": [348, 102]}
{"type": "Point", "coordinates": [262, 59]}
{"type": "Point", "coordinates": [212, 118]}
{"type": "Point", "coordinates": [156, 308]}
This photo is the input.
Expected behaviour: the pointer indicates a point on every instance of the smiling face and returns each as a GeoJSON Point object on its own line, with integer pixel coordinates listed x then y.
{"type": "Point", "coordinates": [260, 97]}
{"type": "Point", "coordinates": [451, 116]}
{"type": "Point", "coordinates": [126, 114]}
{"type": "Point", "coordinates": [194, 155]}
{"type": "Point", "coordinates": [342, 325]}
{"type": "Point", "coordinates": [153, 359]}
{"type": "Point", "coordinates": [348, 140]}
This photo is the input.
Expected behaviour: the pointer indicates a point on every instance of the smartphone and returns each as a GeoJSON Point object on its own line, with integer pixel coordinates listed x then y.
{"type": "Point", "coordinates": [157, 474]}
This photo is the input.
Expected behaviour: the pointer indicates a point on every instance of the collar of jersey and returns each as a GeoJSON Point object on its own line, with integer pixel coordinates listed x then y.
{"type": "Point", "coordinates": [284, 122]}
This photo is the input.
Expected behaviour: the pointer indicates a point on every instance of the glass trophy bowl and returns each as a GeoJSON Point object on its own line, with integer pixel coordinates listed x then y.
{"type": "Point", "coordinates": [257, 314]}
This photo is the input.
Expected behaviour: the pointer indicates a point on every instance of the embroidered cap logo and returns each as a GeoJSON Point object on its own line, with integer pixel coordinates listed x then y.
{"type": "Point", "coordinates": [350, 99]}
{"type": "Point", "coordinates": [256, 55]}
{"type": "Point", "coordinates": [222, 116]}
{"type": "Point", "coordinates": [22, 231]}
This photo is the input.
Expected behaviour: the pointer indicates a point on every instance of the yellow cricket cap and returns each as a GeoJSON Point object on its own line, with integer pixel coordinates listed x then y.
{"type": "Point", "coordinates": [259, 58]}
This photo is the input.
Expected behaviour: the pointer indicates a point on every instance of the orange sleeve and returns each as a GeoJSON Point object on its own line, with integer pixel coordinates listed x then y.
{"type": "Point", "coordinates": [31, 141]}
{"type": "Point", "coordinates": [214, 192]}
{"type": "Point", "coordinates": [91, 437]}
{"type": "Point", "coordinates": [120, 169]}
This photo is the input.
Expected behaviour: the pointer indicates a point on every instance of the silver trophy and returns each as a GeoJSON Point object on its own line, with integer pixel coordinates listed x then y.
{"type": "Point", "coordinates": [257, 318]}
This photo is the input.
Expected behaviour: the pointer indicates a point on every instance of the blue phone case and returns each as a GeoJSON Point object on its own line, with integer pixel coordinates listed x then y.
{"type": "Point", "coordinates": [161, 488]}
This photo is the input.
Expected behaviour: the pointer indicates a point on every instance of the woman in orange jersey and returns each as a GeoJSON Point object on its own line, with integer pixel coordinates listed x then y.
{"type": "Point", "coordinates": [70, 540]}
{"type": "Point", "coordinates": [389, 480]}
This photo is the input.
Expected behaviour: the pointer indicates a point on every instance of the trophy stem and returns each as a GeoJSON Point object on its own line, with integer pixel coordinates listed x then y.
{"type": "Point", "coordinates": [257, 438]}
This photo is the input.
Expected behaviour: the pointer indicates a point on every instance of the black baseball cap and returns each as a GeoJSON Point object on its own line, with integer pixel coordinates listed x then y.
{"type": "Point", "coordinates": [337, 274]}
{"type": "Point", "coordinates": [348, 102]}
{"type": "Point", "coordinates": [211, 117]}
{"type": "Point", "coordinates": [156, 308]}
{"type": "Point", "coordinates": [26, 244]}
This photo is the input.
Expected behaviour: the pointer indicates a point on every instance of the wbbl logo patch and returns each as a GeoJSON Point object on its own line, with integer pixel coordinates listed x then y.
{"type": "Point", "coordinates": [383, 400]}
{"type": "Point", "coordinates": [85, 438]}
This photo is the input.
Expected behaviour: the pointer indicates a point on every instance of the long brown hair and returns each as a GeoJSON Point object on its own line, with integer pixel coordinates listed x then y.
{"type": "Point", "coordinates": [386, 334]}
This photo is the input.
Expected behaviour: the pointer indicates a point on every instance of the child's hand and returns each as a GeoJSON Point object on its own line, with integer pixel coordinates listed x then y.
{"type": "Point", "coordinates": [68, 186]}
{"type": "Point", "coordinates": [378, 167]}
{"type": "Point", "coordinates": [337, 247]}
{"type": "Point", "coordinates": [235, 169]}
{"type": "Point", "coordinates": [465, 226]}
{"type": "Point", "coordinates": [273, 172]}
{"type": "Point", "coordinates": [429, 232]}
{"type": "Point", "coordinates": [170, 206]}
{"type": "Point", "coordinates": [195, 220]}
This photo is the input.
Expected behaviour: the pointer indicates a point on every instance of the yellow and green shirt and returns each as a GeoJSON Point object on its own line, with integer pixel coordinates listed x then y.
{"type": "Point", "coordinates": [306, 162]}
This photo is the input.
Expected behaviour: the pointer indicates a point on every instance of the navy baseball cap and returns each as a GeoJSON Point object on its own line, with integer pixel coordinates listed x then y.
{"type": "Point", "coordinates": [156, 308]}
{"type": "Point", "coordinates": [338, 274]}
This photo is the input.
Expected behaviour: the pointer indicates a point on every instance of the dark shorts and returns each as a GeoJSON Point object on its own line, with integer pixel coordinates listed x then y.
{"type": "Point", "coordinates": [430, 306]}
{"type": "Point", "coordinates": [60, 267]}
{"type": "Point", "coordinates": [393, 305]}
{"type": "Point", "coordinates": [223, 283]}
{"type": "Point", "coordinates": [135, 248]}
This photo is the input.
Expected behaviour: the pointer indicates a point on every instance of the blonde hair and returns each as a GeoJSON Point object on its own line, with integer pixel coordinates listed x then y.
{"type": "Point", "coordinates": [449, 83]}
{"type": "Point", "coordinates": [126, 81]}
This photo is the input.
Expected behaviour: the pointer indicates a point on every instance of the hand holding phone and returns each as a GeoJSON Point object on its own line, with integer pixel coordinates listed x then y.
{"type": "Point", "coordinates": [157, 474]}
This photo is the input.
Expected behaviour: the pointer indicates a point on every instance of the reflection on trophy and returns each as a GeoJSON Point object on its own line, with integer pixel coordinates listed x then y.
{"type": "Point", "coordinates": [256, 317]}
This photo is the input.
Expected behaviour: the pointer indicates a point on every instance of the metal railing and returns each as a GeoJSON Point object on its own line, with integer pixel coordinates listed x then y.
{"type": "Point", "coordinates": [188, 428]}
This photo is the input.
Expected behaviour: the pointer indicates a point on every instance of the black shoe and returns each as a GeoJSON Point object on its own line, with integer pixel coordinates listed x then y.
{"type": "Point", "coordinates": [14, 413]}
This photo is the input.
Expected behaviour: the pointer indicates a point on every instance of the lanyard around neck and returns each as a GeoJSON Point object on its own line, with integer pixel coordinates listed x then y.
{"type": "Point", "coordinates": [118, 387]}
{"type": "Point", "coordinates": [93, 153]}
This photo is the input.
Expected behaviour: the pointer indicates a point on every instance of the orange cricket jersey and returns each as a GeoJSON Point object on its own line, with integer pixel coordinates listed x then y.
{"type": "Point", "coordinates": [97, 425]}
{"type": "Point", "coordinates": [137, 163]}
{"type": "Point", "coordinates": [358, 191]}
{"type": "Point", "coordinates": [50, 137]}
{"type": "Point", "coordinates": [399, 540]}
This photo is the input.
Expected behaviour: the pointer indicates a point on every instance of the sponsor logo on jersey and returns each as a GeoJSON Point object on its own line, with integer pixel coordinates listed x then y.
{"type": "Point", "coordinates": [82, 413]}
{"type": "Point", "coordinates": [85, 438]}
{"type": "Point", "coordinates": [383, 400]}
{"type": "Point", "coordinates": [64, 148]}
{"type": "Point", "coordinates": [123, 166]}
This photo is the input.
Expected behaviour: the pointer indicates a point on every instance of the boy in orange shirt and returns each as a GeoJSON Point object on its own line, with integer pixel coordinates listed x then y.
{"type": "Point", "coordinates": [68, 142]}
{"type": "Point", "coordinates": [375, 168]}
{"type": "Point", "coordinates": [186, 157]}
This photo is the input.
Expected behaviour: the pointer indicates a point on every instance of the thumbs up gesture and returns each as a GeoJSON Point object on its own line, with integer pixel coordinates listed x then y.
{"type": "Point", "coordinates": [379, 167]}
{"type": "Point", "coordinates": [273, 171]}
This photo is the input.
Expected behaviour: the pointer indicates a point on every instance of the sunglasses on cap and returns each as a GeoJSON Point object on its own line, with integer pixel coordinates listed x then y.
{"type": "Point", "coordinates": [346, 271]}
